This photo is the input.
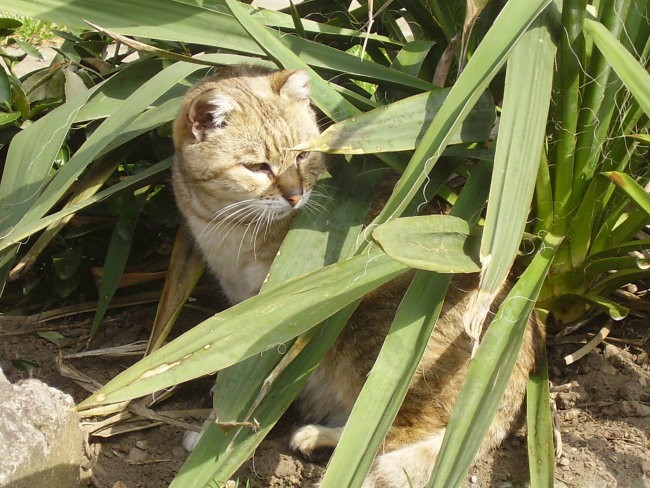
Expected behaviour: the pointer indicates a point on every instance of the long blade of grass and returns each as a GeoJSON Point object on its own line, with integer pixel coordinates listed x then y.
{"type": "Point", "coordinates": [237, 333]}
{"type": "Point", "coordinates": [489, 372]}
{"type": "Point", "coordinates": [636, 193]}
{"type": "Point", "coordinates": [527, 96]}
{"type": "Point", "coordinates": [180, 22]}
{"type": "Point", "coordinates": [116, 256]}
{"type": "Point", "coordinates": [541, 453]}
{"type": "Point", "coordinates": [629, 70]}
{"type": "Point", "coordinates": [569, 76]}
{"type": "Point", "coordinates": [90, 183]}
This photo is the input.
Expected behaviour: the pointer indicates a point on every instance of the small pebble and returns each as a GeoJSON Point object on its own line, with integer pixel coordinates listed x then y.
{"type": "Point", "coordinates": [144, 445]}
{"type": "Point", "coordinates": [642, 358]}
{"type": "Point", "coordinates": [137, 455]}
{"type": "Point", "coordinates": [474, 479]}
{"type": "Point", "coordinates": [564, 461]}
{"type": "Point", "coordinates": [119, 484]}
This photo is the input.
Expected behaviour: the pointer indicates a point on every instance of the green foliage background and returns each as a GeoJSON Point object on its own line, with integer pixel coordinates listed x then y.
{"type": "Point", "coordinates": [568, 171]}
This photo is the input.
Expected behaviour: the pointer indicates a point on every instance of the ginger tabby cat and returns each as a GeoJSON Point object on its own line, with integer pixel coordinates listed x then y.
{"type": "Point", "coordinates": [238, 183]}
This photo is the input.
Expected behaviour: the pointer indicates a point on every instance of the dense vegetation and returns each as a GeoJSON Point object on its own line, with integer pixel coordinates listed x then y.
{"type": "Point", "coordinates": [411, 85]}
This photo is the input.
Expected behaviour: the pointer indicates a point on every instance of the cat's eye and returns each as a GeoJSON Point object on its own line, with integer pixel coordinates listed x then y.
{"type": "Point", "coordinates": [259, 168]}
{"type": "Point", "coordinates": [301, 156]}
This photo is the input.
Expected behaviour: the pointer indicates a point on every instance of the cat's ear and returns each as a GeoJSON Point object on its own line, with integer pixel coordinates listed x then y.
{"type": "Point", "coordinates": [207, 112]}
{"type": "Point", "coordinates": [292, 85]}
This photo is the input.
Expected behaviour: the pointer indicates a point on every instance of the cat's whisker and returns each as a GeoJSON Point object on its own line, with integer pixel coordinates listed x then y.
{"type": "Point", "coordinates": [258, 225]}
{"type": "Point", "coordinates": [317, 208]}
{"type": "Point", "coordinates": [215, 223]}
{"type": "Point", "coordinates": [320, 196]}
{"type": "Point", "coordinates": [235, 219]}
{"type": "Point", "coordinates": [219, 215]}
{"type": "Point", "coordinates": [230, 226]}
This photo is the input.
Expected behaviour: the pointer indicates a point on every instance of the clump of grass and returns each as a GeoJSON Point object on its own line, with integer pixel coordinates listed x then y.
{"type": "Point", "coordinates": [34, 31]}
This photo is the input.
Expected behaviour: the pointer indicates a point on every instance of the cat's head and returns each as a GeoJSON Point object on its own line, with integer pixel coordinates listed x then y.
{"type": "Point", "coordinates": [234, 137]}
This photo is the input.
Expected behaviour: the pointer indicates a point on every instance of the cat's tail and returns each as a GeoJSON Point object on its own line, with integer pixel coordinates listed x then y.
{"type": "Point", "coordinates": [408, 466]}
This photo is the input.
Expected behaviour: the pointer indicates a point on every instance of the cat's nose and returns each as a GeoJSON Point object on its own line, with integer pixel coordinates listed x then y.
{"type": "Point", "coordinates": [293, 197]}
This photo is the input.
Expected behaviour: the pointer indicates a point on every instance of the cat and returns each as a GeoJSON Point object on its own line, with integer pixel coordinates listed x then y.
{"type": "Point", "coordinates": [238, 183]}
{"type": "Point", "coordinates": [236, 180]}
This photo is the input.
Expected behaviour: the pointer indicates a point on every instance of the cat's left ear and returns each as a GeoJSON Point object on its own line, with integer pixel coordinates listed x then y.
{"type": "Point", "coordinates": [293, 85]}
{"type": "Point", "coordinates": [209, 111]}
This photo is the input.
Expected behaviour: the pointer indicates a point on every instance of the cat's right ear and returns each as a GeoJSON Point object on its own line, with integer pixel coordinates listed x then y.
{"type": "Point", "coordinates": [209, 111]}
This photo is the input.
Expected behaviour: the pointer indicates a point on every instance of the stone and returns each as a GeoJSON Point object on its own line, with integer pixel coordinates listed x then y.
{"type": "Point", "coordinates": [41, 441]}
{"type": "Point", "coordinates": [137, 455]}
{"type": "Point", "coordinates": [142, 444]}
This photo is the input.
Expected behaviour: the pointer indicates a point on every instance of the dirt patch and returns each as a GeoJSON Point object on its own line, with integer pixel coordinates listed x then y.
{"type": "Point", "coordinates": [603, 404]}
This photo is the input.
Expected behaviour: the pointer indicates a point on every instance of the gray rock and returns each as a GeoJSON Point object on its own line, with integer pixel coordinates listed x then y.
{"type": "Point", "coordinates": [41, 442]}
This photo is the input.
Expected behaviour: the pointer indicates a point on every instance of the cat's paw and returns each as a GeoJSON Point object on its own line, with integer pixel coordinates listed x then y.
{"type": "Point", "coordinates": [311, 441]}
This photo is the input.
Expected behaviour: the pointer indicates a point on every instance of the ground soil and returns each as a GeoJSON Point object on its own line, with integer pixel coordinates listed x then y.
{"type": "Point", "coordinates": [603, 413]}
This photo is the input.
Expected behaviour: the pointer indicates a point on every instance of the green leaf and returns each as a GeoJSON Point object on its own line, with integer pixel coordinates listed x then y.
{"type": "Point", "coordinates": [522, 127]}
{"type": "Point", "coordinates": [117, 255]}
{"type": "Point", "coordinates": [178, 21]}
{"type": "Point", "coordinates": [235, 334]}
{"type": "Point", "coordinates": [108, 96]}
{"type": "Point", "coordinates": [52, 336]}
{"type": "Point", "coordinates": [29, 49]}
{"type": "Point", "coordinates": [399, 126]}
{"type": "Point", "coordinates": [567, 105]}
{"type": "Point", "coordinates": [24, 365]}
{"type": "Point", "coordinates": [636, 193]}
{"type": "Point", "coordinates": [20, 102]}
{"type": "Point", "coordinates": [489, 372]}
{"type": "Point", "coordinates": [439, 243]}
{"type": "Point", "coordinates": [8, 26]}
{"type": "Point", "coordinates": [29, 160]}
{"type": "Point", "coordinates": [5, 87]}
{"type": "Point", "coordinates": [630, 71]}
{"type": "Point", "coordinates": [8, 118]}
{"type": "Point", "coordinates": [66, 264]}
{"type": "Point", "coordinates": [614, 310]}
{"type": "Point", "coordinates": [541, 453]}
{"type": "Point", "coordinates": [411, 58]}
